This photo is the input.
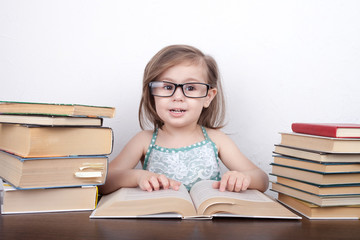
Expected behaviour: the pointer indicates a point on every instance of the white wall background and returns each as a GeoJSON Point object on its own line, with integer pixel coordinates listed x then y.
{"type": "Point", "coordinates": [281, 61]}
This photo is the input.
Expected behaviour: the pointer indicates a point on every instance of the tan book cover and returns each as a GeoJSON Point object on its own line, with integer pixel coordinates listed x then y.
{"type": "Point", "coordinates": [313, 211]}
{"type": "Point", "coordinates": [322, 201]}
{"type": "Point", "coordinates": [318, 156]}
{"type": "Point", "coordinates": [339, 167]}
{"type": "Point", "coordinates": [11, 107]}
{"type": "Point", "coordinates": [28, 173]}
{"type": "Point", "coordinates": [48, 200]}
{"type": "Point", "coordinates": [318, 143]}
{"type": "Point", "coordinates": [315, 177]}
{"type": "Point", "coordinates": [317, 189]}
{"type": "Point", "coordinates": [36, 141]}
{"type": "Point", "coordinates": [50, 120]}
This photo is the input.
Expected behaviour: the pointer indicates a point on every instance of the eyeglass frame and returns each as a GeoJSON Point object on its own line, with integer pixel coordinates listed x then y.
{"type": "Point", "coordinates": [182, 88]}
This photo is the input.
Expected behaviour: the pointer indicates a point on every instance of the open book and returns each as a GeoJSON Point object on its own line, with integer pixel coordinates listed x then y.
{"type": "Point", "coordinates": [202, 202]}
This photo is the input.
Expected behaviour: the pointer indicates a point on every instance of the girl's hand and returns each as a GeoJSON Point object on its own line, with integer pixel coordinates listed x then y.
{"type": "Point", "coordinates": [150, 181]}
{"type": "Point", "coordinates": [233, 181]}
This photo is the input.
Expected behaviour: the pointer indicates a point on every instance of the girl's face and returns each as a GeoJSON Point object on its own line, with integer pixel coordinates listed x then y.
{"type": "Point", "coordinates": [179, 110]}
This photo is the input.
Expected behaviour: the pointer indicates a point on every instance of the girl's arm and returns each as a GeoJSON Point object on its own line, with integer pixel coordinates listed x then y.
{"type": "Point", "coordinates": [243, 173]}
{"type": "Point", "coordinates": [122, 172]}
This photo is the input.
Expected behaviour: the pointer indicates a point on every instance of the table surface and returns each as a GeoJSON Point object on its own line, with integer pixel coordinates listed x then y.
{"type": "Point", "coordinates": [77, 225]}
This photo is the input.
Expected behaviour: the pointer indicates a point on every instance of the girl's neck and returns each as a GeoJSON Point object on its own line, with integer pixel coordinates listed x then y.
{"type": "Point", "coordinates": [179, 137]}
{"type": "Point", "coordinates": [176, 131]}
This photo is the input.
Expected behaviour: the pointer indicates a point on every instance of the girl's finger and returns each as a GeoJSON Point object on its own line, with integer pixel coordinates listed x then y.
{"type": "Point", "coordinates": [216, 185]}
{"type": "Point", "coordinates": [154, 183]}
{"type": "Point", "coordinates": [146, 186]}
{"type": "Point", "coordinates": [223, 183]}
{"type": "Point", "coordinates": [239, 185]}
{"type": "Point", "coordinates": [231, 183]}
{"type": "Point", "coordinates": [175, 185]}
{"type": "Point", "coordinates": [164, 181]}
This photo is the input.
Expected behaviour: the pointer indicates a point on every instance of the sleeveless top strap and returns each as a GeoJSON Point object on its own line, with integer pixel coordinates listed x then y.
{"type": "Point", "coordinates": [204, 132]}
{"type": "Point", "coordinates": [151, 146]}
{"type": "Point", "coordinates": [212, 143]}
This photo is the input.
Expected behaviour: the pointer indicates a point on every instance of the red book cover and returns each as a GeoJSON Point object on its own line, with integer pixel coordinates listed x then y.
{"type": "Point", "coordinates": [334, 130]}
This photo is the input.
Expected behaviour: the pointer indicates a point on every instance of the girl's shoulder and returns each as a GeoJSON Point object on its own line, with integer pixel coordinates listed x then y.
{"type": "Point", "coordinates": [216, 135]}
{"type": "Point", "coordinates": [222, 140]}
{"type": "Point", "coordinates": [142, 138]}
{"type": "Point", "coordinates": [144, 135]}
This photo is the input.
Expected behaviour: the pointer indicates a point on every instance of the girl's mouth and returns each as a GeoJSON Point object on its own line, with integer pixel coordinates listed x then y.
{"type": "Point", "coordinates": [177, 110]}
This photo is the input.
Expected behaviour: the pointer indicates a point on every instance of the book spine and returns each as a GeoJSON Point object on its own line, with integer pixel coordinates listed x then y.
{"type": "Point", "coordinates": [313, 129]}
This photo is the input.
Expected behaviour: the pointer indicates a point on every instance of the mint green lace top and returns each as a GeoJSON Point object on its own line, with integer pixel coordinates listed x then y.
{"type": "Point", "coordinates": [187, 165]}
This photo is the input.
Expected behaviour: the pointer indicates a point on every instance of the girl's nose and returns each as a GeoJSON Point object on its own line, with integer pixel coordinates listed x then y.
{"type": "Point", "coordinates": [178, 94]}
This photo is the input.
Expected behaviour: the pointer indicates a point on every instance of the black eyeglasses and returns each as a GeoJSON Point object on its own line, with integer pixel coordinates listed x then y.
{"type": "Point", "coordinates": [190, 90]}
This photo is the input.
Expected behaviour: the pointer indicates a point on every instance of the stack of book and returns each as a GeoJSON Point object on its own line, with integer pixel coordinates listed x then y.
{"type": "Point", "coordinates": [317, 169]}
{"type": "Point", "coordinates": [52, 156]}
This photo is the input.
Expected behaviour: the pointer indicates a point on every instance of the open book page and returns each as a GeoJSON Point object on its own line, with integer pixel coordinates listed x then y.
{"type": "Point", "coordinates": [249, 203]}
{"type": "Point", "coordinates": [134, 202]}
{"type": "Point", "coordinates": [130, 194]}
{"type": "Point", "coordinates": [203, 191]}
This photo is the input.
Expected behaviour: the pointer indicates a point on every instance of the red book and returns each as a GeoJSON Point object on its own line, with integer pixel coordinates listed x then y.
{"type": "Point", "coordinates": [334, 130]}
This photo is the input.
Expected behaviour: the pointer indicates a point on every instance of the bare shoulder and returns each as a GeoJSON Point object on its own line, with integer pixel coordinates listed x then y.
{"type": "Point", "coordinates": [142, 137]}
{"type": "Point", "coordinates": [145, 134]}
{"type": "Point", "coordinates": [136, 148]}
{"type": "Point", "coordinates": [229, 152]}
{"type": "Point", "coordinates": [218, 136]}
{"type": "Point", "coordinates": [215, 133]}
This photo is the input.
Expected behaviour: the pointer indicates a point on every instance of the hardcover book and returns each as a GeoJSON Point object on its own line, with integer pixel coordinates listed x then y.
{"type": "Point", "coordinates": [48, 200]}
{"type": "Point", "coordinates": [317, 155]}
{"type": "Point", "coordinates": [316, 177]}
{"type": "Point", "coordinates": [50, 120]}
{"type": "Point", "coordinates": [313, 211]}
{"type": "Point", "coordinates": [322, 201]}
{"type": "Point", "coordinates": [339, 167]}
{"type": "Point", "coordinates": [202, 202]}
{"type": "Point", "coordinates": [321, 190]}
{"type": "Point", "coordinates": [335, 130]}
{"type": "Point", "coordinates": [323, 144]}
{"type": "Point", "coordinates": [11, 107]}
{"type": "Point", "coordinates": [36, 141]}
{"type": "Point", "coordinates": [25, 173]}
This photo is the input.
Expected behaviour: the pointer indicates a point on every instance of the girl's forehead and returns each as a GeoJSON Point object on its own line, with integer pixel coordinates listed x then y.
{"type": "Point", "coordinates": [186, 70]}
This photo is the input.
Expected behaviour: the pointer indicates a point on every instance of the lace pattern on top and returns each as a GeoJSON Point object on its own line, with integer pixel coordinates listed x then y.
{"type": "Point", "coordinates": [188, 165]}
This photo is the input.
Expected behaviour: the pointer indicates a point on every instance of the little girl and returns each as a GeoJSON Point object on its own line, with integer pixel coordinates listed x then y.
{"type": "Point", "coordinates": [182, 98]}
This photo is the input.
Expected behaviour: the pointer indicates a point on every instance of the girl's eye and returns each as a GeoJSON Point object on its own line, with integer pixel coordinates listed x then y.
{"type": "Point", "coordinates": [168, 87]}
{"type": "Point", "coordinates": [190, 88]}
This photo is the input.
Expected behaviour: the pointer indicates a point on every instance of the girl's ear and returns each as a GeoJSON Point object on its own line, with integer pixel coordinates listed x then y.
{"type": "Point", "coordinates": [211, 94]}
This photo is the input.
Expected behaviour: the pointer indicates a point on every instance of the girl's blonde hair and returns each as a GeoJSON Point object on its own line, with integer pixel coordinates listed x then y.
{"type": "Point", "coordinates": [211, 117]}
